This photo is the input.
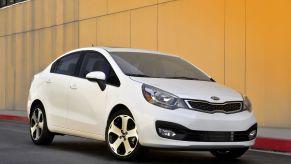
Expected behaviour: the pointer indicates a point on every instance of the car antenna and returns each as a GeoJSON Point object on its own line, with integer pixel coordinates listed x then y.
{"type": "Point", "coordinates": [92, 45]}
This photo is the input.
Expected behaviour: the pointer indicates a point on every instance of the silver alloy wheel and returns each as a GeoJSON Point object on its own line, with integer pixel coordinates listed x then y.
{"type": "Point", "coordinates": [36, 124]}
{"type": "Point", "coordinates": [122, 135]}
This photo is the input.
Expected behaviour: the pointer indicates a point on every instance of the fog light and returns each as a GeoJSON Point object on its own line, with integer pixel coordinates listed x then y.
{"type": "Point", "coordinates": [252, 134]}
{"type": "Point", "coordinates": [166, 132]}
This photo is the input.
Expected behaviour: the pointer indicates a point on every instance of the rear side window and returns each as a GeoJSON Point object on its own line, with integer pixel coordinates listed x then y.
{"type": "Point", "coordinates": [67, 65]}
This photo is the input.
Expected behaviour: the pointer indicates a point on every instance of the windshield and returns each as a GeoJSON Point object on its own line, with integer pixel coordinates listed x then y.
{"type": "Point", "coordinates": [156, 66]}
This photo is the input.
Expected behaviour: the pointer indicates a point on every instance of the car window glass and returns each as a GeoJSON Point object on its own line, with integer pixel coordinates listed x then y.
{"type": "Point", "coordinates": [67, 65]}
{"type": "Point", "coordinates": [157, 66]}
{"type": "Point", "coordinates": [97, 62]}
{"type": "Point", "coordinates": [94, 62]}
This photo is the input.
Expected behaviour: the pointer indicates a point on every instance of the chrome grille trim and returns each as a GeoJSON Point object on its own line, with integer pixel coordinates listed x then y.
{"type": "Point", "coordinates": [212, 105]}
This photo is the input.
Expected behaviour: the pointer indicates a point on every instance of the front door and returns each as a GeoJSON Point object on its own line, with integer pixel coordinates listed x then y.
{"type": "Point", "coordinates": [87, 101]}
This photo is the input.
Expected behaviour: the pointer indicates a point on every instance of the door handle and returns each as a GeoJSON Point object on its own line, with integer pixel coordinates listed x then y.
{"type": "Point", "coordinates": [73, 86]}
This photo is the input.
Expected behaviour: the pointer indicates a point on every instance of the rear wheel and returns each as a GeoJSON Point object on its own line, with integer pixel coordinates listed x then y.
{"type": "Point", "coordinates": [229, 154]}
{"type": "Point", "coordinates": [122, 137]}
{"type": "Point", "coordinates": [39, 132]}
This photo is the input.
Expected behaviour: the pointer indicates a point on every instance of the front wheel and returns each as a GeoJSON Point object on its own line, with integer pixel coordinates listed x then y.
{"type": "Point", "coordinates": [122, 137]}
{"type": "Point", "coordinates": [229, 154]}
{"type": "Point", "coordinates": [39, 131]}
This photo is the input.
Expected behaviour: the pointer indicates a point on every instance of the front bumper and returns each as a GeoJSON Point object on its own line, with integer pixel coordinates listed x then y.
{"type": "Point", "coordinates": [193, 121]}
{"type": "Point", "coordinates": [178, 132]}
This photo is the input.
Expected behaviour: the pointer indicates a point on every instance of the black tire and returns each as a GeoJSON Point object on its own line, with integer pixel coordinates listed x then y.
{"type": "Point", "coordinates": [45, 137]}
{"type": "Point", "coordinates": [136, 152]}
{"type": "Point", "coordinates": [229, 154]}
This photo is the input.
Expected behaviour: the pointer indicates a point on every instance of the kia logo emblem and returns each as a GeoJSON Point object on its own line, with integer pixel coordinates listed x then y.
{"type": "Point", "coordinates": [215, 98]}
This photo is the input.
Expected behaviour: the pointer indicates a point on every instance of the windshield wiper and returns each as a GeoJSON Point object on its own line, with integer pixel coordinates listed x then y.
{"type": "Point", "coordinates": [137, 75]}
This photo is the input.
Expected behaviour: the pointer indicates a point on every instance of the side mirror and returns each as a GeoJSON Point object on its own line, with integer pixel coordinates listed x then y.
{"type": "Point", "coordinates": [98, 77]}
{"type": "Point", "coordinates": [95, 76]}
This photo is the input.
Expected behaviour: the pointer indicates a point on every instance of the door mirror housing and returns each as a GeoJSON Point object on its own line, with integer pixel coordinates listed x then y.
{"type": "Point", "coordinates": [98, 77]}
{"type": "Point", "coordinates": [95, 76]}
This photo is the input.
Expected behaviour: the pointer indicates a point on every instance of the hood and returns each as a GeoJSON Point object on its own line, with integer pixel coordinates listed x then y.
{"type": "Point", "coordinates": [193, 89]}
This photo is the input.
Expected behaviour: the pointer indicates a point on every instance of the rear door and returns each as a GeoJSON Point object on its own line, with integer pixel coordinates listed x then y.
{"type": "Point", "coordinates": [58, 83]}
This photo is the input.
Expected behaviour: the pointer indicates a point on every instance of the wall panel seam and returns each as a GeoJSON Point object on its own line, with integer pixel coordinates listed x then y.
{"type": "Point", "coordinates": [245, 70]}
{"type": "Point", "coordinates": [224, 50]}
{"type": "Point", "coordinates": [130, 14]}
{"type": "Point", "coordinates": [78, 20]}
{"type": "Point", "coordinates": [157, 27]}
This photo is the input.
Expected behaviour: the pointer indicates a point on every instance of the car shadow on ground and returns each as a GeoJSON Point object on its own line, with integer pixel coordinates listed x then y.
{"type": "Point", "coordinates": [99, 151]}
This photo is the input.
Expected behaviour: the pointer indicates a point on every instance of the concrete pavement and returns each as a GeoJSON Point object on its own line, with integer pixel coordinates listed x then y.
{"type": "Point", "coordinates": [274, 139]}
{"type": "Point", "coordinates": [16, 147]}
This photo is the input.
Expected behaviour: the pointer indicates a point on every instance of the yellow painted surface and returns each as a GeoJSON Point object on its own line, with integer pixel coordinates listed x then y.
{"type": "Point", "coordinates": [2, 72]}
{"type": "Point", "coordinates": [70, 11]}
{"type": "Point", "coordinates": [235, 44]}
{"type": "Point", "coordinates": [48, 12]}
{"type": "Point", "coordinates": [45, 47]}
{"type": "Point", "coordinates": [27, 16]}
{"type": "Point", "coordinates": [92, 8]}
{"type": "Point", "coordinates": [121, 5]}
{"type": "Point", "coordinates": [59, 41]}
{"type": "Point", "coordinates": [2, 21]}
{"type": "Point", "coordinates": [18, 11]}
{"type": "Point", "coordinates": [244, 44]}
{"type": "Point", "coordinates": [162, 1]}
{"type": "Point", "coordinates": [71, 39]}
{"type": "Point", "coordinates": [88, 33]}
{"type": "Point", "coordinates": [144, 28]}
{"type": "Point", "coordinates": [197, 36]}
{"type": "Point", "coordinates": [268, 61]}
{"type": "Point", "coordinates": [10, 72]}
{"type": "Point", "coordinates": [9, 25]}
{"type": "Point", "coordinates": [28, 65]}
{"type": "Point", "coordinates": [114, 30]}
{"type": "Point", "coordinates": [19, 62]}
{"type": "Point", "coordinates": [37, 14]}
{"type": "Point", "coordinates": [59, 12]}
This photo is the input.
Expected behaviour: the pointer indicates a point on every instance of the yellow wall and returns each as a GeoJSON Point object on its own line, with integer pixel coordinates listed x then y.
{"type": "Point", "coordinates": [244, 44]}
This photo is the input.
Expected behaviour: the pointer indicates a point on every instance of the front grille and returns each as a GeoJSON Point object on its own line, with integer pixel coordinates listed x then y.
{"type": "Point", "coordinates": [185, 134]}
{"type": "Point", "coordinates": [213, 136]}
{"type": "Point", "coordinates": [204, 106]}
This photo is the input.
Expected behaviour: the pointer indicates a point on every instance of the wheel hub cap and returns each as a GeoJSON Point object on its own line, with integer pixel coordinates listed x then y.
{"type": "Point", "coordinates": [36, 124]}
{"type": "Point", "coordinates": [122, 135]}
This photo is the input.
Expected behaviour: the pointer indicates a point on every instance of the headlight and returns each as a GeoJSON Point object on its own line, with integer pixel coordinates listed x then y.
{"type": "Point", "coordinates": [247, 104]}
{"type": "Point", "coordinates": [162, 98]}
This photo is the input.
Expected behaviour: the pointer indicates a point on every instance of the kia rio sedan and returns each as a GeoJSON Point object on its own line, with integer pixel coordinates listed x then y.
{"type": "Point", "coordinates": [137, 99]}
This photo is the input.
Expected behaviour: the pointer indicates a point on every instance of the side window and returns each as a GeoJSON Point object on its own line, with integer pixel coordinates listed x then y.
{"type": "Point", "coordinates": [94, 61]}
{"type": "Point", "coordinates": [66, 65]}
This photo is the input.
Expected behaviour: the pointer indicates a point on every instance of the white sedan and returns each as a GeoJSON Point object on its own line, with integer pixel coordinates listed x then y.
{"type": "Point", "coordinates": [137, 99]}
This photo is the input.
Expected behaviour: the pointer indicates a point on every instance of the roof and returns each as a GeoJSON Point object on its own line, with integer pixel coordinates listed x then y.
{"type": "Point", "coordinates": [118, 49]}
